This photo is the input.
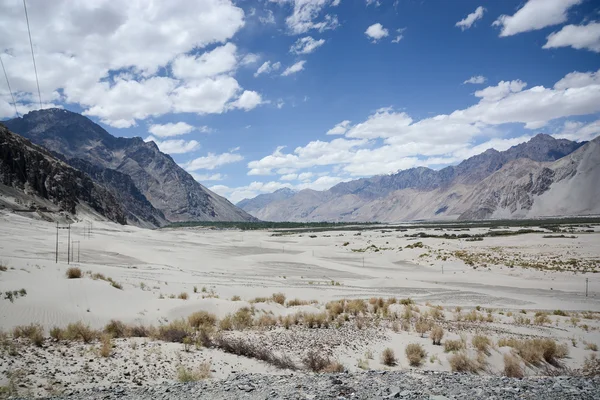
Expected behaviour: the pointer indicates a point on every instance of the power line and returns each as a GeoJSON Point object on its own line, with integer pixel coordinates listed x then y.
{"type": "Point", "coordinates": [9, 89]}
{"type": "Point", "coordinates": [32, 56]}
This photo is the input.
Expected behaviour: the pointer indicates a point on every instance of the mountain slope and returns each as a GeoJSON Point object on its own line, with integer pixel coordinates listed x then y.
{"type": "Point", "coordinates": [32, 174]}
{"type": "Point", "coordinates": [165, 185]}
{"type": "Point", "coordinates": [262, 200]}
{"type": "Point", "coordinates": [450, 193]}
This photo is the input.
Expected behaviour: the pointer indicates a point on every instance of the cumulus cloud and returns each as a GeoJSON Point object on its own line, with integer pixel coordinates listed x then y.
{"type": "Point", "coordinates": [390, 140]}
{"type": "Point", "coordinates": [470, 19]}
{"type": "Point", "coordinates": [376, 32]}
{"type": "Point", "coordinates": [207, 177]}
{"type": "Point", "coordinates": [306, 45]}
{"type": "Point", "coordinates": [534, 15]}
{"type": "Point", "coordinates": [174, 146]}
{"type": "Point", "coordinates": [340, 128]}
{"type": "Point", "coordinates": [268, 18]}
{"type": "Point", "coordinates": [248, 100]}
{"type": "Point", "coordinates": [297, 67]}
{"type": "Point", "coordinates": [170, 129]}
{"type": "Point", "coordinates": [123, 62]}
{"type": "Point", "coordinates": [577, 36]}
{"type": "Point", "coordinates": [211, 161]}
{"type": "Point", "coordinates": [267, 68]}
{"type": "Point", "coordinates": [476, 80]}
{"type": "Point", "coordinates": [306, 15]}
{"type": "Point", "coordinates": [399, 36]}
{"type": "Point", "coordinates": [579, 131]}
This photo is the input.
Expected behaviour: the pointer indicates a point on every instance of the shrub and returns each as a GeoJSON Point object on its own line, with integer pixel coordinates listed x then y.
{"type": "Point", "coordinates": [79, 331]}
{"type": "Point", "coordinates": [195, 289]}
{"type": "Point", "coordinates": [415, 354]}
{"type": "Point", "coordinates": [535, 350]}
{"type": "Point", "coordinates": [57, 333]}
{"type": "Point", "coordinates": [460, 362]}
{"type": "Point", "coordinates": [106, 345]}
{"type": "Point", "coordinates": [260, 300]}
{"type": "Point", "coordinates": [481, 343]}
{"type": "Point", "coordinates": [512, 366]}
{"type": "Point", "coordinates": [33, 332]}
{"type": "Point", "coordinates": [139, 331]}
{"type": "Point", "coordinates": [406, 302]}
{"type": "Point", "coordinates": [183, 296]}
{"type": "Point", "coordinates": [334, 367]}
{"type": "Point", "coordinates": [279, 298]}
{"type": "Point", "coordinates": [316, 362]}
{"type": "Point", "coordinates": [236, 298]}
{"type": "Point", "coordinates": [266, 321]}
{"type": "Point", "coordinates": [356, 306]}
{"type": "Point", "coordinates": [115, 284]}
{"type": "Point", "coordinates": [437, 333]}
{"type": "Point", "coordinates": [73, 273]}
{"type": "Point", "coordinates": [508, 342]}
{"type": "Point", "coordinates": [453, 345]}
{"type": "Point", "coordinates": [312, 320]}
{"type": "Point", "coordinates": [176, 331]}
{"type": "Point", "coordinates": [244, 348]}
{"type": "Point", "coordinates": [335, 308]}
{"type": "Point", "coordinates": [422, 326]}
{"type": "Point", "coordinates": [297, 302]}
{"type": "Point", "coordinates": [242, 319]}
{"type": "Point", "coordinates": [116, 329]}
{"type": "Point", "coordinates": [200, 373]}
{"type": "Point", "coordinates": [541, 318]}
{"type": "Point", "coordinates": [388, 357]}
{"type": "Point", "coordinates": [200, 318]}
{"type": "Point", "coordinates": [591, 366]}
{"type": "Point", "coordinates": [560, 313]}
{"type": "Point", "coordinates": [591, 346]}
{"type": "Point", "coordinates": [226, 324]}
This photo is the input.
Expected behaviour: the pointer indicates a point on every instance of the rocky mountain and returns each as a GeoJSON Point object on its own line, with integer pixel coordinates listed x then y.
{"type": "Point", "coordinates": [165, 185]}
{"type": "Point", "coordinates": [32, 177]}
{"type": "Point", "coordinates": [263, 200]}
{"type": "Point", "coordinates": [512, 183]}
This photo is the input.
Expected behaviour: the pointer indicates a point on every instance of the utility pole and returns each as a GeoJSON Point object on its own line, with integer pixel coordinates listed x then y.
{"type": "Point", "coordinates": [69, 244]}
{"type": "Point", "coordinates": [586, 287]}
{"type": "Point", "coordinates": [56, 253]}
{"type": "Point", "coordinates": [78, 249]}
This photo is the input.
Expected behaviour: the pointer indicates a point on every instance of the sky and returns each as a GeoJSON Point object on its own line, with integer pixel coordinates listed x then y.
{"type": "Point", "coordinates": [251, 96]}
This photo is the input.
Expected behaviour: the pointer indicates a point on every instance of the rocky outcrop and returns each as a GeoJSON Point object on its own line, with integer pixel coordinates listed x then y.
{"type": "Point", "coordinates": [165, 185]}
{"type": "Point", "coordinates": [38, 174]}
{"type": "Point", "coordinates": [510, 184]}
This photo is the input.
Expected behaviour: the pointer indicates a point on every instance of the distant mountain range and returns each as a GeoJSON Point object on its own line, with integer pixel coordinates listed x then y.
{"type": "Point", "coordinates": [151, 188]}
{"type": "Point", "coordinates": [542, 177]}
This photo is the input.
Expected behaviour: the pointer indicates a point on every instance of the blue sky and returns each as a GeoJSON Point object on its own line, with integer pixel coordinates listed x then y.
{"type": "Point", "coordinates": [252, 96]}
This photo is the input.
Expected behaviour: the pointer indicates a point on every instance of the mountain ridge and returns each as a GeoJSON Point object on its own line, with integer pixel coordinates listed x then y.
{"type": "Point", "coordinates": [394, 197]}
{"type": "Point", "coordinates": [165, 185]}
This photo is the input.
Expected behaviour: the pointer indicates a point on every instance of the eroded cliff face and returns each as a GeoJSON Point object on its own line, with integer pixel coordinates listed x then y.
{"type": "Point", "coordinates": [37, 173]}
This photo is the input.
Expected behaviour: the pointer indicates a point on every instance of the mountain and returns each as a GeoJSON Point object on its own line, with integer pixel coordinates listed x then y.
{"type": "Point", "coordinates": [33, 178]}
{"type": "Point", "coordinates": [165, 185]}
{"type": "Point", "coordinates": [450, 193]}
{"type": "Point", "coordinates": [263, 200]}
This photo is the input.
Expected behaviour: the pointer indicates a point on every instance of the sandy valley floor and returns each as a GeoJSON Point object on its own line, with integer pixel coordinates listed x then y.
{"type": "Point", "coordinates": [212, 266]}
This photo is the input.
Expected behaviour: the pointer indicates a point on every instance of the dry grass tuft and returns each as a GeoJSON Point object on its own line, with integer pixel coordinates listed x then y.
{"type": "Point", "coordinates": [415, 354]}
{"type": "Point", "coordinates": [460, 362]}
{"type": "Point", "coordinates": [79, 331]}
{"type": "Point", "coordinates": [481, 343]}
{"type": "Point", "coordinates": [317, 362]}
{"type": "Point", "coordinates": [356, 306]}
{"type": "Point", "coordinates": [541, 318]}
{"type": "Point", "coordinates": [74, 273]}
{"type": "Point", "coordinates": [33, 332]}
{"type": "Point", "coordinates": [176, 331]}
{"type": "Point", "coordinates": [453, 345]}
{"type": "Point", "coordinates": [436, 335]}
{"type": "Point", "coordinates": [202, 318]}
{"type": "Point", "coordinates": [236, 298]}
{"type": "Point", "coordinates": [116, 329]}
{"type": "Point", "coordinates": [183, 296]}
{"type": "Point", "coordinates": [334, 367]}
{"type": "Point", "coordinates": [245, 348]}
{"type": "Point", "coordinates": [388, 357]}
{"type": "Point", "coordinates": [279, 298]}
{"type": "Point", "coordinates": [512, 366]}
{"type": "Point", "coordinates": [57, 333]}
{"type": "Point", "coordinates": [242, 319]}
{"type": "Point", "coordinates": [422, 326]}
{"type": "Point", "coordinates": [106, 345]}
{"type": "Point", "coordinates": [297, 302]}
{"type": "Point", "coordinates": [200, 373]}
{"type": "Point", "coordinates": [591, 366]}
{"type": "Point", "coordinates": [266, 321]}
{"type": "Point", "coordinates": [591, 346]}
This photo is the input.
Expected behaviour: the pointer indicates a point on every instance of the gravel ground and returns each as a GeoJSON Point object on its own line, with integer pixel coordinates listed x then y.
{"type": "Point", "coordinates": [367, 385]}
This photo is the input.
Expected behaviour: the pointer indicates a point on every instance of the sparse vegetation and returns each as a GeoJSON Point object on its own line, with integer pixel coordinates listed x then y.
{"type": "Point", "coordinates": [106, 345]}
{"type": "Point", "coordinates": [245, 348]}
{"type": "Point", "coordinates": [74, 273]}
{"type": "Point", "coordinates": [202, 318]}
{"type": "Point", "coordinates": [481, 343]}
{"type": "Point", "coordinates": [33, 332]}
{"type": "Point", "coordinates": [193, 375]}
{"type": "Point", "coordinates": [437, 333]}
{"type": "Point", "coordinates": [453, 345]}
{"type": "Point", "coordinates": [183, 296]}
{"type": "Point", "coordinates": [460, 362]}
{"type": "Point", "coordinates": [512, 366]}
{"type": "Point", "coordinates": [415, 353]}
{"type": "Point", "coordinates": [388, 357]}
{"type": "Point", "coordinates": [279, 298]}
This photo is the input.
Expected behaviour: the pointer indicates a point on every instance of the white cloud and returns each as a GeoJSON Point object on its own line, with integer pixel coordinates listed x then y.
{"type": "Point", "coordinates": [470, 19]}
{"type": "Point", "coordinates": [207, 177]}
{"type": "Point", "coordinates": [579, 131]}
{"type": "Point", "coordinates": [174, 146]}
{"type": "Point", "coordinates": [534, 15]}
{"type": "Point", "coordinates": [170, 129]}
{"type": "Point", "coordinates": [267, 67]}
{"type": "Point", "coordinates": [340, 128]}
{"type": "Point", "coordinates": [289, 177]}
{"type": "Point", "coordinates": [297, 67]}
{"type": "Point", "coordinates": [113, 58]}
{"type": "Point", "coordinates": [250, 59]}
{"type": "Point", "coordinates": [576, 36]}
{"type": "Point", "coordinates": [211, 161]}
{"type": "Point", "coordinates": [269, 18]}
{"type": "Point", "coordinates": [376, 3]}
{"type": "Point", "coordinates": [248, 100]}
{"type": "Point", "coordinates": [306, 13]}
{"type": "Point", "coordinates": [376, 32]}
{"type": "Point", "coordinates": [389, 140]}
{"type": "Point", "coordinates": [306, 45]}
{"type": "Point", "coordinates": [221, 60]}
{"type": "Point", "coordinates": [476, 80]}
{"type": "Point", "coordinates": [280, 103]}
{"type": "Point", "coordinates": [400, 36]}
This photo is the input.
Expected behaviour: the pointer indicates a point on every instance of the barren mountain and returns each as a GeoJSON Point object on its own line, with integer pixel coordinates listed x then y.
{"type": "Point", "coordinates": [514, 183]}
{"type": "Point", "coordinates": [165, 185]}
{"type": "Point", "coordinates": [31, 178]}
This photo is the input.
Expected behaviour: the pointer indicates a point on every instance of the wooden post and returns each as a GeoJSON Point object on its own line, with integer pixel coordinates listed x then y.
{"type": "Point", "coordinates": [56, 242]}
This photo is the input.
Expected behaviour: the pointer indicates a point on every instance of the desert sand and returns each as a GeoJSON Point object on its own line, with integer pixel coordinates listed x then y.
{"type": "Point", "coordinates": [212, 266]}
